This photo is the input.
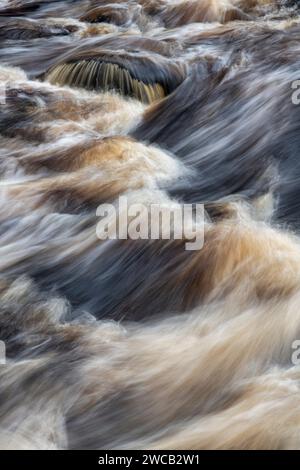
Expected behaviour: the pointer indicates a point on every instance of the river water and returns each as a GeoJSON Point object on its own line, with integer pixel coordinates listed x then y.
{"type": "Point", "coordinates": [122, 343]}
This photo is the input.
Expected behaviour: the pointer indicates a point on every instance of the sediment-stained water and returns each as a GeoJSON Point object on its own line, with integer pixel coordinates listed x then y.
{"type": "Point", "coordinates": [143, 344]}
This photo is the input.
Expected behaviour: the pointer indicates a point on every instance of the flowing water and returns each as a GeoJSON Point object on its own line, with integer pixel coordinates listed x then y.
{"type": "Point", "coordinates": [123, 343]}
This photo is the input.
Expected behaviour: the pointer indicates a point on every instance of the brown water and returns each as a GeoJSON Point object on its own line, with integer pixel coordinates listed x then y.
{"type": "Point", "coordinates": [141, 343]}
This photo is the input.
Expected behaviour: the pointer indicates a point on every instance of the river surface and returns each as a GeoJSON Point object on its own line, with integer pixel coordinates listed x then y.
{"type": "Point", "coordinates": [122, 343]}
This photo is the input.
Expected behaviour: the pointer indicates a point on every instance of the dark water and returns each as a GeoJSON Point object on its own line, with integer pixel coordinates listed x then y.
{"type": "Point", "coordinates": [142, 343]}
